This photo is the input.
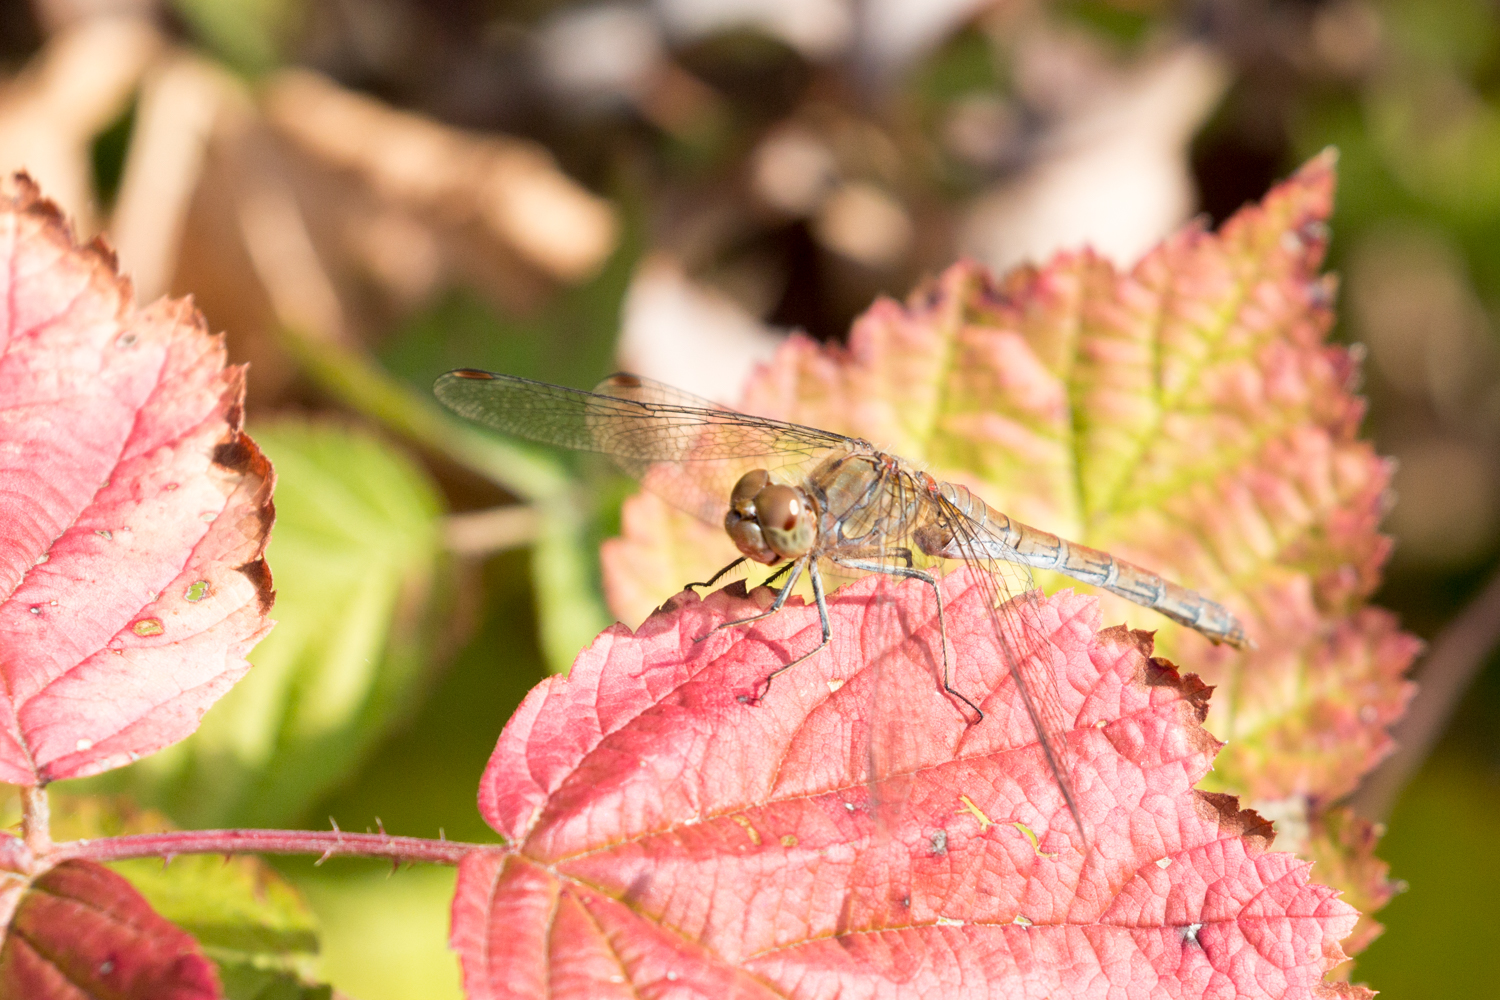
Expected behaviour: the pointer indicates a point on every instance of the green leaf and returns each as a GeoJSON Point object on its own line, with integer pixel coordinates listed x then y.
{"type": "Point", "coordinates": [386, 933]}
{"type": "Point", "coordinates": [248, 34]}
{"type": "Point", "coordinates": [244, 981]}
{"type": "Point", "coordinates": [356, 557]}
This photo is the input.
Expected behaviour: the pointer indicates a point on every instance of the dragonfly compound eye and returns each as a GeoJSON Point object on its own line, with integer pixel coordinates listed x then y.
{"type": "Point", "coordinates": [740, 522]}
{"type": "Point", "coordinates": [787, 520]}
{"type": "Point", "coordinates": [742, 498]}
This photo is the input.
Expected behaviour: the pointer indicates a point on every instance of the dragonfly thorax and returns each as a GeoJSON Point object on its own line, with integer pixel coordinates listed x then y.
{"type": "Point", "coordinates": [768, 521]}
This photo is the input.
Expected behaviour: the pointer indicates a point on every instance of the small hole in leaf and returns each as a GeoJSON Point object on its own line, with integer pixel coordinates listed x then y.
{"type": "Point", "coordinates": [197, 590]}
{"type": "Point", "coordinates": [148, 626]}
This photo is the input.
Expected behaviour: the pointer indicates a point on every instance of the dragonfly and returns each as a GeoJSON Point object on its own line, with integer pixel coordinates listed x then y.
{"type": "Point", "coordinates": [808, 501]}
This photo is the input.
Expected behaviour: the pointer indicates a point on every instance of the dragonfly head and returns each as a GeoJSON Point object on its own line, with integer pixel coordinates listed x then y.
{"type": "Point", "coordinates": [770, 522]}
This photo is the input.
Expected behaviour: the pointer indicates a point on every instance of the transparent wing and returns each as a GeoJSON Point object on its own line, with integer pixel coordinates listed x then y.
{"type": "Point", "coordinates": [880, 535]}
{"type": "Point", "coordinates": [687, 450]}
{"type": "Point", "coordinates": [1012, 599]}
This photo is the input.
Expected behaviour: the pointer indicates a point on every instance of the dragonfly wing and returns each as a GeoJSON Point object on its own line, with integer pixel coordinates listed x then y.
{"type": "Point", "coordinates": [685, 449]}
{"type": "Point", "coordinates": [1013, 601]}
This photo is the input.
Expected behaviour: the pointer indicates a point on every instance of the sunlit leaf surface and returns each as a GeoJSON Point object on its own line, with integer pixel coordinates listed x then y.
{"type": "Point", "coordinates": [670, 837]}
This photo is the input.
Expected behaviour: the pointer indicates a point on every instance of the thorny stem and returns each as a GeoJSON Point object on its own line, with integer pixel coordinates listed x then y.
{"type": "Point", "coordinates": [324, 843]}
{"type": "Point", "coordinates": [1458, 653]}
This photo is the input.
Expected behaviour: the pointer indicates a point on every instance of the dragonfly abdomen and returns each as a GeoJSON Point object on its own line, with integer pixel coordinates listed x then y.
{"type": "Point", "coordinates": [999, 536]}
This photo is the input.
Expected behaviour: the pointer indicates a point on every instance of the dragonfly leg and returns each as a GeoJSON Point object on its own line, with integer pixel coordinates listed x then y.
{"type": "Point", "coordinates": [781, 596]}
{"type": "Point", "coordinates": [716, 577]}
{"type": "Point", "coordinates": [768, 581]}
{"type": "Point", "coordinates": [817, 585]}
{"type": "Point", "coordinates": [906, 572]}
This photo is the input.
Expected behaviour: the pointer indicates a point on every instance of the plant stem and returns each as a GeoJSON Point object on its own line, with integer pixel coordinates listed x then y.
{"type": "Point", "coordinates": [325, 843]}
{"type": "Point", "coordinates": [36, 820]}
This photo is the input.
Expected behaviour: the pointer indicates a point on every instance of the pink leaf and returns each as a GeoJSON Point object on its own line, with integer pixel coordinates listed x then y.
{"type": "Point", "coordinates": [133, 510]}
{"type": "Point", "coordinates": [669, 838]}
{"type": "Point", "coordinates": [82, 931]}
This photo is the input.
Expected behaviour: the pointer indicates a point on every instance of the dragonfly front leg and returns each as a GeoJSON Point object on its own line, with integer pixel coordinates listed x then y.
{"type": "Point", "coordinates": [796, 567]}
{"type": "Point", "coordinates": [908, 573]}
{"type": "Point", "coordinates": [716, 577]}
{"type": "Point", "coordinates": [786, 591]}
{"type": "Point", "coordinates": [768, 581]}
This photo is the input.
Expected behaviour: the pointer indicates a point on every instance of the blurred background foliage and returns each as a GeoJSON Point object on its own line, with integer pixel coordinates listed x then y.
{"type": "Point", "coordinates": [365, 193]}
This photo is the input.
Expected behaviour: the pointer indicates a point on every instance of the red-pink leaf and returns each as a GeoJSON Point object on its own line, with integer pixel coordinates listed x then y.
{"type": "Point", "coordinates": [82, 931]}
{"type": "Point", "coordinates": [133, 510]}
{"type": "Point", "coordinates": [669, 837]}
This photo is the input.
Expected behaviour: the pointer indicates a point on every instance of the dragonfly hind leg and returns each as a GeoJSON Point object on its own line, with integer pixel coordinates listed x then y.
{"type": "Point", "coordinates": [908, 573]}
{"type": "Point", "coordinates": [817, 586]}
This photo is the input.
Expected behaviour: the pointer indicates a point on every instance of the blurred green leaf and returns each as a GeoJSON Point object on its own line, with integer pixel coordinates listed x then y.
{"type": "Point", "coordinates": [964, 64]}
{"type": "Point", "coordinates": [387, 933]}
{"type": "Point", "coordinates": [1121, 22]}
{"type": "Point", "coordinates": [1439, 936]}
{"type": "Point", "coordinates": [1457, 33]}
{"type": "Point", "coordinates": [107, 155]}
{"type": "Point", "coordinates": [1419, 139]}
{"type": "Point", "coordinates": [565, 576]}
{"type": "Point", "coordinates": [458, 721]}
{"type": "Point", "coordinates": [243, 981]}
{"type": "Point", "coordinates": [235, 908]}
{"type": "Point", "coordinates": [355, 556]}
{"type": "Point", "coordinates": [248, 34]}
{"type": "Point", "coordinates": [570, 604]}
